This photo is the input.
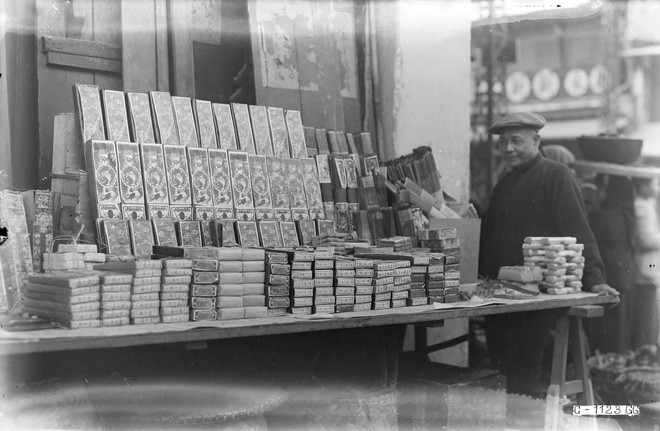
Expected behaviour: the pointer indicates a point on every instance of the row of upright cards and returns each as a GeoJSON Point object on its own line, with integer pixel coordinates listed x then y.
{"type": "Point", "coordinates": [158, 117]}
{"type": "Point", "coordinates": [153, 174]}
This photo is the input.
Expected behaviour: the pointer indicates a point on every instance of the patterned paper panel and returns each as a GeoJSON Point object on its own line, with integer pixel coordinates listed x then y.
{"type": "Point", "coordinates": [203, 213]}
{"type": "Point", "coordinates": [264, 214]}
{"type": "Point", "coordinates": [158, 211]}
{"type": "Point", "coordinates": [289, 234]}
{"type": "Point", "coordinates": [296, 134]}
{"type": "Point", "coordinates": [370, 164]}
{"type": "Point", "coordinates": [223, 213]}
{"type": "Point", "coordinates": [220, 178]}
{"type": "Point", "coordinates": [224, 123]}
{"type": "Point", "coordinates": [329, 210]}
{"type": "Point", "coordinates": [181, 212]}
{"type": "Point", "coordinates": [342, 222]}
{"type": "Point", "coordinates": [223, 232]}
{"type": "Point", "coordinates": [338, 171]}
{"type": "Point", "coordinates": [240, 179]}
{"type": "Point", "coordinates": [178, 177]}
{"type": "Point", "coordinates": [243, 127]}
{"type": "Point", "coordinates": [279, 189]}
{"type": "Point", "coordinates": [116, 119]}
{"type": "Point", "coordinates": [282, 214]}
{"type": "Point", "coordinates": [200, 177]}
{"type": "Point", "coordinates": [260, 182]}
{"type": "Point", "coordinates": [163, 115]}
{"type": "Point", "coordinates": [139, 115]}
{"type": "Point", "coordinates": [142, 238]}
{"type": "Point", "coordinates": [325, 227]}
{"type": "Point", "coordinates": [317, 213]}
{"type": "Point", "coordinates": [260, 130]}
{"type": "Point", "coordinates": [188, 233]}
{"type": "Point", "coordinates": [247, 233]}
{"type": "Point", "coordinates": [42, 226]}
{"type": "Point", "coordinates": [268, 233]}
{"type": "Point", "coordinates": [307, 230]}
{"type": "Point", "coordinates": [116, 237]}
{"type": "Point", "coordinates": [323, 169]}
{"type": "Point", "coordinates": [12, 216]}
{"type": "Point", "coordinates": [205, 124]}
{"type": "Point", "coordinates": [298, 214]}
{"type": "Point", "coordinates": [101, 157]}
{"type": "Point", "coordinates": [164, 232]}
{"type": "Point", "coordinates": [109, 212]}
{"type": "Point", "coordinates": [278, 132]}
{"type": "Point", "coordinates": [153, 169]}
{"type": "Point", "coordinates": [245, 214]}
{"type": "Point", "coordinates": [351, 173]}
{"type": "Point", "coordinates": [205, 229]}
{"type": "Point", "coordinates": [185, 121]}
{"type": "Point", "coordinates": [131, 187]}
{"type": "Point", "coordinates": [133, 212]}
{"type": "Point", "coordinates": [312, 186]}
{"type": "Point", "coordinates": [89, 111]}
{"type": "Point", "coordinates": [295, 183]}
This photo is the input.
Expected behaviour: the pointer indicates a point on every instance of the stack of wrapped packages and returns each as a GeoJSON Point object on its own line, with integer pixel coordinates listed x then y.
{"type": "Point", "coordinates": [560, 261]}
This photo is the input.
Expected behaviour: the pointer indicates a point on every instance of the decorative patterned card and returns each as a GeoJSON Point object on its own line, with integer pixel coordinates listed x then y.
{"type": "Point", "coordinates": [260, 183]}
{"type": "Point", "coordinates": [153, 169]}
{"type": "Point", "coordinates": [296, 134]}
{"type": "Point", "coordinates": [203, 213]}
{"type": "Point", "coordinates": [139, 116]}
{"type": "Point", "coordinates": [223, 232]}
{"type": "Point", "coordinates": [282, 214]}
{"type": "Point", "coordinates": [205, 229]}
{"type": "Point", "coordinates": [278, 132]}
{"type": "Point", "coordinates": [247, 233]}
{"type": "Point", "coordinates": [370, 164]}
{"type": "Point", "coordinates": [89, 112]}
{"type": "Point", "coordinates": [260, 130]}
{"type": "Point", "coordinates": [142, 238]}
{"type": "Point", "coordinates": [311, 182]}
{"type": "Point", "coordinates": [163, 118]}
{"type": "Point", "coordinates": [205, 124]}
{"type": "Point", "coordinates": [116, 119]}
{"type": "Point", "coordinates": [178, 178]}
{"type": "Point", "coordinates": [188, 233]}
{"type": "Point", "coordinates": [164, 232]}
{"type": "Point", "coordinates": [322, 142]}
{"type": "Point", "coordinates": [223, 213]}
{"type": "Point", "coordinates": [323, 168]}
{"type": "Point", "coordinates": [317, 213]}
{"type": "Point", "coordinates": [225, 126]}
{"type": "Point", "coordinates": [342, 222]}
{"type": "Point", "coordinates": [245, 214]}
{"type": "Point", "coordinates": [268, 233]}
{"type": "Point", "coordinates": [42, 226]}
{"type": "Point", "coordinates": [133, 212]}
{"type": "Point", "coordinates": [131, 187]}
{"type": "Point", "coordinates": [101, 158]}
{"type": "Point", "coordinates": [306, 231]}
{"type": "Point", "coordinates": [329, 210]}
{"type": "Point", "coordinates": [264, 214]}
{"type": "Point", "coordinates": [240, 179]}
{"type": "Point", "coordinates": [339, 172]}
{"type": "Point", "coordinates": [181, 212]}
{"type": "Point", "coordinates": [115, 237]}
{"type": "Point", "coordinates": [158, 211]}
{"type": "Point", "coordinates": [109, 211]}
{"type": "Point", "coordinates": [200, 177]}
{"type": "Point", "coordinates": [220, 178]}
{"type": "Point", "coordinates": [185, 121]}
{"type": "Point", "coordinates": [289, 234]}
{"type": "Point", "coordinates": [299, 214]}
{"type": "Point", "coordinates": [12, 216]}
{"type": "Point", "coordinates": [243, 127]}
{"type": "Point", "coordinates": [325, 227]}
{"type": "Point", "coordinates": [294, 175]}
{"type": "Point", "coordinates": [279, 189]}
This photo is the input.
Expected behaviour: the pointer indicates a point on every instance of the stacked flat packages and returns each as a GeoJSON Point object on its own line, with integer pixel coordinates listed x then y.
{"type": "Point", "coordinates": [278, 277]}
{"type": "Point", "coordinates": [417, 294]}
{"type": "Point", "coordinates": [176, 279]}
{"type": "Point", "coordinates": [302, 281]}
{"type": "Point", "coordinates": [324, 272]}
{"type": "Point", "coordinates": [345, 298]}
{"type": "Point", "coordinates": [204, 287]}
{"type": "Point", "coordinates": [115, 298]}
{"type": "Point", "coordinates": [145, 289]}
{"type": "Point", "coordinates": [364, 289]}
{"type": "Point", "coordinates": [560, 261]}
{"type": "Point", "coordinates": [70, 298]}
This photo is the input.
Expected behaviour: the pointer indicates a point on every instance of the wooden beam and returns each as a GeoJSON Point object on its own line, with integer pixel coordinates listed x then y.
{"type": "Point", "coordinates": [83, 62]}
{"type": "Point", "coordinates": [6, 178]}
{"type": "Point", "coordinates": [139, 51]}
{"type": "Point", "coordinates": [88, 48]}
{"type": "Point", "coordinates": [183, 64]}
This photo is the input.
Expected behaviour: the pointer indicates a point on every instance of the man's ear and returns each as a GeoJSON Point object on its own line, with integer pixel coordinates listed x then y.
{"type": "Point", "coordinates": [537, 140]}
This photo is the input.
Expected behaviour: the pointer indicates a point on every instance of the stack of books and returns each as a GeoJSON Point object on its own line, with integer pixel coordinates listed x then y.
{"type": "Point", "coordinates": [115, 298]}
{"type": "Point", "coordinates": [241, 276]}
{"type": "Point", "coordinates": [72, 299]}
{"type": "Point", "coordinates": [176, 281]}
{"type": "Point", "coordinates": [398, 243]}
{"type": "Point", "coordinates": [278, 277]}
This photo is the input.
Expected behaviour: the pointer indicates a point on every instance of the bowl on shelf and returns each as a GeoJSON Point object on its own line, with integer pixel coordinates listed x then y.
{"type": "Point", "coordinates": [612, 149]}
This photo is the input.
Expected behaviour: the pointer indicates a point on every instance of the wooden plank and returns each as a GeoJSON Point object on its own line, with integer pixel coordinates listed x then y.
{"type": "Point", "coordinates": [581, 369]}
{"type": "Point", "coordinates": [162, 47]}
{"type": "Point", "coordinates": [181, 29]}
{"type": "Point", "coordinates": [616, 169]}
{"type": "Point", "coordinates": [560, 352]}
{"type": "Point", "coordinates": [106, 19]}
{"type": "Point", "coordinates": [139, 65]}
{"type": "Point", "coordinates": [34, 341]}
{"type": "Point", "coordinates": [81, 62]}
{"type": "Point", "coordinates": [587, 311]}
{"type": "Point", "coordinates": [90, 48]}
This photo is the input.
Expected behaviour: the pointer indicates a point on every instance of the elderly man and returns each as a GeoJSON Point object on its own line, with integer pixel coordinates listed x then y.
{"type": "Point", "coordinates": [538, 197]}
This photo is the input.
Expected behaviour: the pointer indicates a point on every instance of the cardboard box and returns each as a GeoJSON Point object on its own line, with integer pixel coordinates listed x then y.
{"type": "Point", "coordinates": [469, 231]}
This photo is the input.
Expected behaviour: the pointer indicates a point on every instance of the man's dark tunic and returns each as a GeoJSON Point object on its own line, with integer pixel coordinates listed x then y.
{"type": "Point", "coordinates": [541, 198]}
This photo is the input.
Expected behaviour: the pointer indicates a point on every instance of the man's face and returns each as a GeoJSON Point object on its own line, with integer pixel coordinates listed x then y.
{"type": "Point", "coordinates": [518, 146]}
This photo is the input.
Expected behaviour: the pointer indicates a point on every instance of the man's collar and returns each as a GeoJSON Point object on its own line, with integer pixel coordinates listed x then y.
{"type": "Point", "coordinates": [528, 165]}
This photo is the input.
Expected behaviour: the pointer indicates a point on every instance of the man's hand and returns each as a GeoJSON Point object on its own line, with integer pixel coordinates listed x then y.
{"type": "Point", "coordinates": [604, 289]}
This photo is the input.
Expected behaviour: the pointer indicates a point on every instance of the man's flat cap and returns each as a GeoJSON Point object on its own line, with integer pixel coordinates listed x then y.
{"type": "Point", "coordinates": [519, 119]}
